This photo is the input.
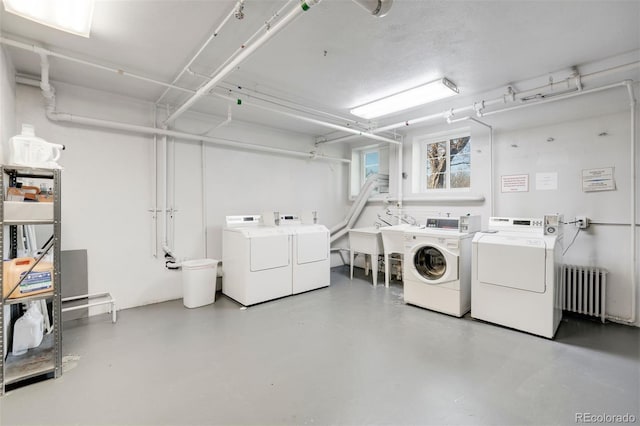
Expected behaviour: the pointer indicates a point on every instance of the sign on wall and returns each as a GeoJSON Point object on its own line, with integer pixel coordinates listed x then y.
{"type": "Point", "coordinates": [514, 183]}
{"type": "Point", "coordinates": [546, 181]}
{"type": "Point", "coordinates": [598, 179]}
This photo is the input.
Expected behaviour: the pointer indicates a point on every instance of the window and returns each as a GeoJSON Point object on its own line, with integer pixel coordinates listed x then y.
{"type": "Point", "coordinates": [367, 161]}
{"type": "Point", "coordinates": [371, 163]}
{"type": "Point", "coordinates": [444, 162]}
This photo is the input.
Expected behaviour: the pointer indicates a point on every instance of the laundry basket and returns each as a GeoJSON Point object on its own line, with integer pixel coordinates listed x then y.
{"type": "Point", "coordinates": [199, 282]}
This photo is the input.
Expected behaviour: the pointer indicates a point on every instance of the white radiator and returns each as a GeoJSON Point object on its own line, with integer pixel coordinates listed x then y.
{"type": "Point", "coordinates": [584, 290]}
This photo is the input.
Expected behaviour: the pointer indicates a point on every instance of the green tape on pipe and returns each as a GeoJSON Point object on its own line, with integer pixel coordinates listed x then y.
{"type": "Point", "coordinates": [305, 6]}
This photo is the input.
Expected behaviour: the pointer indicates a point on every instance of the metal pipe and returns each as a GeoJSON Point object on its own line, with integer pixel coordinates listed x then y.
{"type": "Point", "coordinates": [204, 46]}
{"type": "Point", "coordinates": [576, 80]}
{"type": "Point", "coordinates": [267, 26]}
{"type": "Point", "coordinates": [315, 121]}
{"type": "Point", "coordinates": [264, 97]}
{"type": "Point", "coordinates": [154, 186]}
{"type": "Point", "coordinates": [40, 50]}
{"type": "Point", "coordinates": [165, 192]}
{"type": "Point", "coordinates": [246, 52]}
{"type": "Point", "coordinates": [87, 121]}
{"type": "Point", "coordinates": [633, 250]}
{"type": "Point", "coordinates": [556, 98]}
{"type": "Point", "coordinates": [203, 197]}
{"type": "Point", "coordinates": [400, 175]}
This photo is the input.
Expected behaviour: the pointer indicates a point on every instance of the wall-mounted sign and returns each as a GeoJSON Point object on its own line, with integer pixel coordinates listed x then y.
{"type": "Point", "coordinates": [546, 181]}
{"type": "Point", "coordinates": [514, 183]}
{"type": "Point", "coordinates": [598, 179]}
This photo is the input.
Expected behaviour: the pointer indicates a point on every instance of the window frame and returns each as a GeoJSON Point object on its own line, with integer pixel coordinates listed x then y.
{"type": "Point", "coordinates": [421, 144]}
{"type": "Point", "coordinates": [358, 168]}
{"type": "Point", "coordinates": [363, 162]}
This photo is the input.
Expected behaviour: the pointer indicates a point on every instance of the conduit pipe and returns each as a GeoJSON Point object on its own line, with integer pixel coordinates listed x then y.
{"type": "Point", "coordinates": [87, 121]}
{"type": "Point", "coordinates": [42, 51]}
{"type": "Point", "coordinates": [400, 177]}
{"type": "Point", "coordinates": [478, 107]}
{"type": "Point", "coordinates": [246, 52]}
{"type": "Point", "coordinates": [204, 46]}
{"type": "Point", "coordinates": [267, 26]}
{"type": "Point", "coordinates": [53, 115]}
{"type": "Point", "coordinates": [165, 198]}
{"type": "Point", "coordinates": [634, 175]}
{"type": "Point", "coordinates": [203, 196]}
{"type": "Point", "coordinates": [264, 97]}
{"type": "Point", "coordinates": [154, 186]}
{"type": "Point", "coordinates": [315, 121]}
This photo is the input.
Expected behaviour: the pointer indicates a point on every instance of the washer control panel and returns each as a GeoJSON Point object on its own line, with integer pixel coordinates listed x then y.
{"type": "Point", "coordinates": [465, 224]}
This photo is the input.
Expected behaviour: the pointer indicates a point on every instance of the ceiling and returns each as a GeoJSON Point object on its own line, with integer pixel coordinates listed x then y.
{"type": "Point", "coordinates": [335, 56]}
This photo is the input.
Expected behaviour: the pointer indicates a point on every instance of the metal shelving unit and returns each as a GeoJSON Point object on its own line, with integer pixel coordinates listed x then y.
{"type": "Point", "coordinates": [46, 360]}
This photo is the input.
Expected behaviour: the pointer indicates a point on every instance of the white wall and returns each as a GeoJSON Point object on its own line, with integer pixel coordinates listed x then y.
{"type": "Point", "coordinates": [107, 189]}
{"type": "Point", "coordinates": [576, 146]}
{"type": "Point", "coordinates": [7, 102]}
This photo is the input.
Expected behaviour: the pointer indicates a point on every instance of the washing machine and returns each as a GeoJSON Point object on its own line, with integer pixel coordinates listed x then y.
{"type": "Point", "coordinates": [516, 274]}
{"type": "Point", "coordinates": [309, 248]}
{"type": "Point", "coordinates": [437, 264]}
{"type": "Point", "coordinates": [256, 260]}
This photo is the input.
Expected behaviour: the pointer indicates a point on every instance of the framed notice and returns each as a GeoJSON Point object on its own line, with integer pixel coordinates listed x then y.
{"type": "Point", "coordinates": [514, 183]}
{"type": "Point", "coordinates": [546, 181]}
{"type": "Point", "coordinates": [598, 179]}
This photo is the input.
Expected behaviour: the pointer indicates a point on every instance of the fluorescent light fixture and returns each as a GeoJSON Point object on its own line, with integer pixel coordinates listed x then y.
{"type": "Point", "coordinates": [420, 95]}
{"type": "Point", "coordinates": [72, 16]}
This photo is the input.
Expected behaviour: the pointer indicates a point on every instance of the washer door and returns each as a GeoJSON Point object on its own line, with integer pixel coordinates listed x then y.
{"type": "Point", "coordinates": [434, 265]}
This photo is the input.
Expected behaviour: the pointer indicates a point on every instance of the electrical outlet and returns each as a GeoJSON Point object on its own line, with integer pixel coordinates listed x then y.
{"type": "Point", "coordinates": [582, 222]}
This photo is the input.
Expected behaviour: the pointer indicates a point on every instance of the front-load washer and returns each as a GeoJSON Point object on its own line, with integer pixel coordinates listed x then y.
{"type": "Point", "coordinates": [256, 260]}
{"type": "Point", "coordinates": [310, 251]}
{"type": "Point", "coordinates": [437, 264]}
{"type": "Point", "coordinates": [516, 274]}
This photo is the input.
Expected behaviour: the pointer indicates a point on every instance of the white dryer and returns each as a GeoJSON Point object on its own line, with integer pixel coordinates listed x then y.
{"type": "Point", "coordinates": [256, 260]}
{"type": "Point", "coordinates": [516, 274]}
{"type": "Point", "coordinates": [310, 252]}
{"type": "Point", "coordinates": [437, 264]}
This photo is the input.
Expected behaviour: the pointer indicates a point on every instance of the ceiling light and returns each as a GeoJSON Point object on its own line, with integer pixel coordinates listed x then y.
{"type": "Point", "coordinates": [420, 95]}
{"type": "Point", "coordinates": [73, 16]}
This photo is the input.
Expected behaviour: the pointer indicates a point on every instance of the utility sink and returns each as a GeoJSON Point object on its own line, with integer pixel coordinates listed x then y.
{"type": "Point", "coordinates": [393, 237]}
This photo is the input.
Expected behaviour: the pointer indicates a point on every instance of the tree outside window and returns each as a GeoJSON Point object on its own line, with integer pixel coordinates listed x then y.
{"type": "Point", "coordinates": [448, 163]}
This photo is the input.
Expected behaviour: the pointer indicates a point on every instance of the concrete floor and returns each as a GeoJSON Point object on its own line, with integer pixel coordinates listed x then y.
{"type": "Point", "coordinates": [349, 354]}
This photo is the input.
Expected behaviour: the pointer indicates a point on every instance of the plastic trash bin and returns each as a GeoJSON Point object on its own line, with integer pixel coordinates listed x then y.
{"type": "Point", "coordinates": [199, 282]}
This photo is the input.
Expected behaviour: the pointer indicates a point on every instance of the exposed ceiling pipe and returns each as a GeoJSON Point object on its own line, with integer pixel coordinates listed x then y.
{"type": "Point", "coordinates": [40, 51]}
{"type": "Point", "coordinates": [134, 128]}
{"type": "Point", "coordinates": [555, 99]}
{"type": "Point", "coordinates": [314, 121]}
{"type": "Point", "coordinates": [246, 52]}
{"type": "Point", "coordinates": [267, 25]}
{"type": "Point", "coordinates": [204, 46]}
{"type": "Point", "coordinates": [478, 107]}
{"type": "Point", "coordinates": [53, 115]}
{"type": "Point", "coordinates": [378, 8]}
{"type": "Point", "coordinates": [265, 97]}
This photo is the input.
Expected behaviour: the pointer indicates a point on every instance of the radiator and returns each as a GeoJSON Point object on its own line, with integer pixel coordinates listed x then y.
{"type": "Point", "coordinates": [584, 290]}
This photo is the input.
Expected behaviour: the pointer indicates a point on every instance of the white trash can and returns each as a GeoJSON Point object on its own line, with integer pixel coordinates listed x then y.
{"type": "Point", "coordinates": [199, 282]}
